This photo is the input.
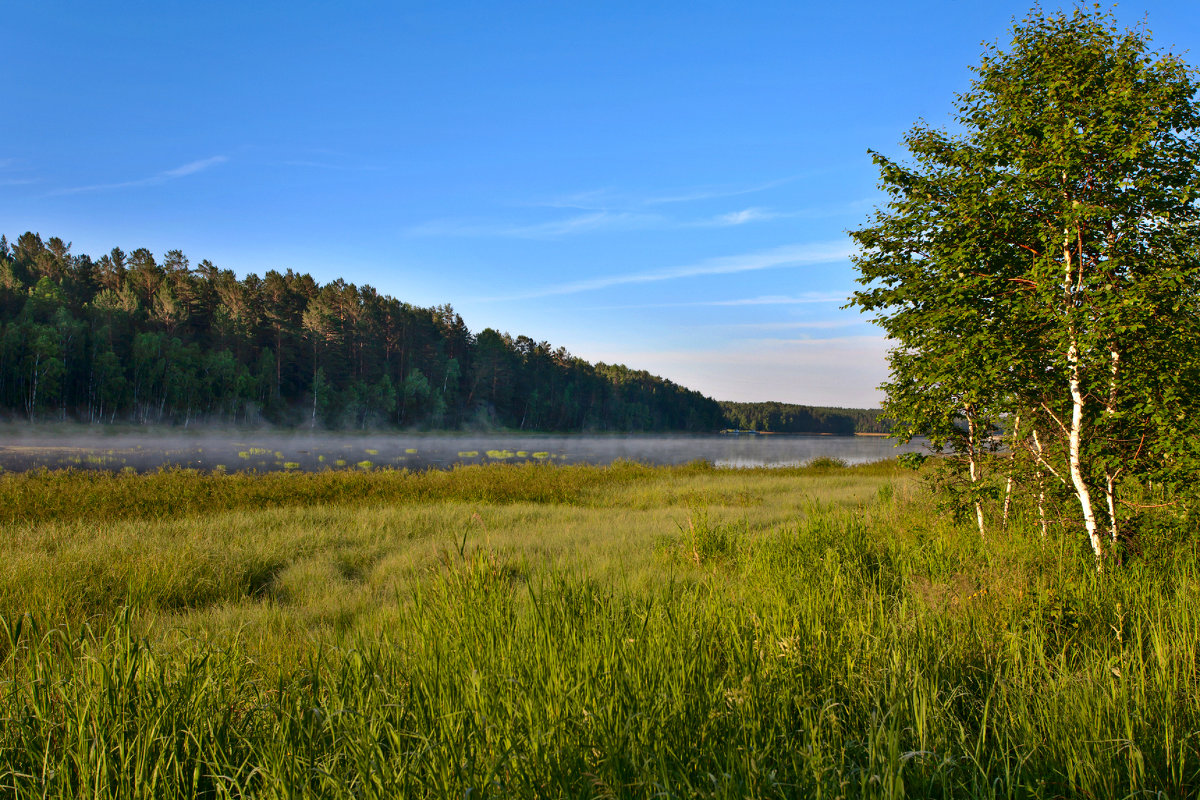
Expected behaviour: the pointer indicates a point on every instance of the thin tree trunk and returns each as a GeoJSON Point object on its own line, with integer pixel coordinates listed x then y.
{"type": "Point", "coordinates": [1041, 501]}
{"type": "Point", "coordinates": [37, 361]}
{"type": "Point", "coordinates": [1110, 410]}
{"type": "Point", "coordinates": [1040, 482]}
{"type": "Point", "coordinates": [1008, 484]}
{"type": "Point", "coordinates": [1110, 494]}
{"type": "Point", "coordinates": [1011, 466]}
{"type": "Point", "coordinates": [971, 467]}
{"type": "Point", "coordinates": [1074, 439]}
{"type": "Point", "coordinates": [1072, 284]}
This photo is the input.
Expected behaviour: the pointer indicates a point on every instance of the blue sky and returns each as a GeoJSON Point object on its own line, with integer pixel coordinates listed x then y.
{"type": "Point", "coordinates": [665, 185]}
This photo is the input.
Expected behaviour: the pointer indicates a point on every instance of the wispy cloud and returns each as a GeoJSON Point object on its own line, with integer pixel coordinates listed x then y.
{"type": "Point", "coordinates": [784, 300]}
{"type": "Point", "coordinates": [580, 223]}
{"type": "Point", "coordinates": [714, 193]}
{"type": "Point", "coordinates": [607, 199]}
{"type": "Point", "coordinates": [327, 159]}
{"type": "Point", "coordinates": [190, 168]}
{"type": "Point", "coordinates": [743, 216]}
{"type": "Point", "coordinates": [590, 221]}
{"type": "Point", "coordinates": [823, 324]}
{"type": "Point", "coordinates": [193, 167]}
{"type": "Point", "coordinates": [786, 256]}
{"type": "Point", "coordinates": [775, 341]}
{"type": "Point", "coordinates": [757, 214]}
{"type": "Point", "coordinates": [9, 165]}
{"type": "Point", "coordinates": [603, 216]}
{"type": "Point", "coordinates": [327, 165]}
{"type": "Point", "coordinates": [766, 300]}
{"type": "Point", "coordinates": [608, 210]}
{"type": "Point", "coordinates": [587, 200]}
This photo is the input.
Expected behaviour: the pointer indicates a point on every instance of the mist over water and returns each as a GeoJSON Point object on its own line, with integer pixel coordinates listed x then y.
{"type": "Point", "coordinates": [84, 447]}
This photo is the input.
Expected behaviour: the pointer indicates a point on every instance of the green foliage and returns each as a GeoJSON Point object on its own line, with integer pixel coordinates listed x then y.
{"type": "Point", "coordinates": [827, 462]}
{"type": "Point", "coordinates": [1041, 265]}
{"type": "Point", "coordinates": [705, 539]}
{"type": "Point", "coordinates": [790, 418]}
{"type": "Point", "coordinates": [124, 338]}
{"type": "Point", "coordinates": [864, 649]}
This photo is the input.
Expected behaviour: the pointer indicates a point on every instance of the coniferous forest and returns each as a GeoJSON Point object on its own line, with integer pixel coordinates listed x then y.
{"type": "Point", "coordinates": [791, 418]}
{"type": "Point", "coordinates": [127, 337]}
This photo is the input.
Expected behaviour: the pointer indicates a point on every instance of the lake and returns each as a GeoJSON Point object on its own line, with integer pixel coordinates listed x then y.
{"type": "Point", "coordinates": [83, 447]}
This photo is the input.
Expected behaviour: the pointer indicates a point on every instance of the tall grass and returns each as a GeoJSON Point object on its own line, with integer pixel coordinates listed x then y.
{"type": "Point", "coordinates": [862, 649]}
{"type": "Point", "coordinates": [62, 495]}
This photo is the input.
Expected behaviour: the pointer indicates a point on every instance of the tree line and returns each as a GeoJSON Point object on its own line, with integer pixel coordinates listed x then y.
{"type": "Point", "coordinates": [772, 417]}
{"type": "Point", "coordinates": [1038, 270]}
{"type": "Point", "coordinates": [128, 337]}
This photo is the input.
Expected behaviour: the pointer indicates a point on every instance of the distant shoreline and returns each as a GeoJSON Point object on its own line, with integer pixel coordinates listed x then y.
{"type": "Point", "coordinates": [730, 432]}
{"type": "Point", "coordinates": [71, 427]}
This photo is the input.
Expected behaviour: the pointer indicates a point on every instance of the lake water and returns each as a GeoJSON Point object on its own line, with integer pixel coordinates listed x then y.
{"type": "Point", "coordinates": [267, 451]}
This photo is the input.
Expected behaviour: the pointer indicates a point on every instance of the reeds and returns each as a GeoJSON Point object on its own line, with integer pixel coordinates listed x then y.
{"type": "Point", "coordinates": [861, 650]}
{"type": "Point", "coordinates": [61, 495]}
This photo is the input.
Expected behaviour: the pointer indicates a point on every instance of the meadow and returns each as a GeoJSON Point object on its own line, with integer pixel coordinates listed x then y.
{"type": "Point", "coordinates": [526, 630]}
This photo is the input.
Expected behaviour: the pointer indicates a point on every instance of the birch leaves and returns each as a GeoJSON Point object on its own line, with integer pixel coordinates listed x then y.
{"type": "Point", "coordinates": [1041, 262]}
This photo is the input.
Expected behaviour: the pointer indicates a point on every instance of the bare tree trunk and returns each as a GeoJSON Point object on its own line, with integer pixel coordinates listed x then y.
{"type": "Point", "coordinates": [1072, 284]}
{"type": "Point", "coordinates": [1011, 466]}
{"type": "Point", "coordinates": [1008, 484]}
{"type": "Point", "coordinates": [971, 466]}
{"type": "Point", "coordinates": [313, 424]}
{"type": "Point", "coordinates": [1110, 410]}
{"type": "Point", "coordinates": [1041, 483]}
{"type": "Point", "coordinates": [1041, 501]}
{"type": "Point", "coordinates": [1110, 479]}
{"type": "Point", "coordinates": [1074, 438]}
{"type": "Point", "coordinates": [37, 361]}
{"type": "Point", "coordinates": [278, 360]}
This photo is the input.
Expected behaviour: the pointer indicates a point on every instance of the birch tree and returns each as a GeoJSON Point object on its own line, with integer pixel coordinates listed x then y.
{"type": "Point", "coordinates": [1055, 227]}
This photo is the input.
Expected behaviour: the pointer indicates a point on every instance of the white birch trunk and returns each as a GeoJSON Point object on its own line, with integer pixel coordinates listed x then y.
{"type": "Point", "coordinates": [1110, 478]}
{"type": "Point", "coordinates": [1073, 284]}
{"type": "Point", "coordinates": [1011, 466]}
{"type": "Point", "coordinates": [1041, 483]}
{"type": "Point", "coordinates": [1041, 502]}
{"type": "Point", "coordinates": [971, 467]}
{"type": "Point", "coordinates": [1074, 438]}
{"type": "Point", "coordinates": [1110, 498]}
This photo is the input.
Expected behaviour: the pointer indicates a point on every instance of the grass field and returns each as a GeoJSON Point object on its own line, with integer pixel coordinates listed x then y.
{"type": "Point", "coordinates": [538, 631]}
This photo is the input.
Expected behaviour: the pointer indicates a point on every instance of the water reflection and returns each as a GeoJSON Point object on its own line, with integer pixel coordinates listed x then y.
{"type": "Point", "coordinates": [85, 448]}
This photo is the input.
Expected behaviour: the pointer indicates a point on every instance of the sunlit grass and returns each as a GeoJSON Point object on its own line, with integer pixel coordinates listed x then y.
{"type": "Point", "coordinates": [537, 631]}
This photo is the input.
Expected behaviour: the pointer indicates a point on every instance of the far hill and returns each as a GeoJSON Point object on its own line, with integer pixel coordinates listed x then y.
{"type": "Point", "coordinates": [788, 418]}
{"type": "Point", "coordinates": [133, 338]}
